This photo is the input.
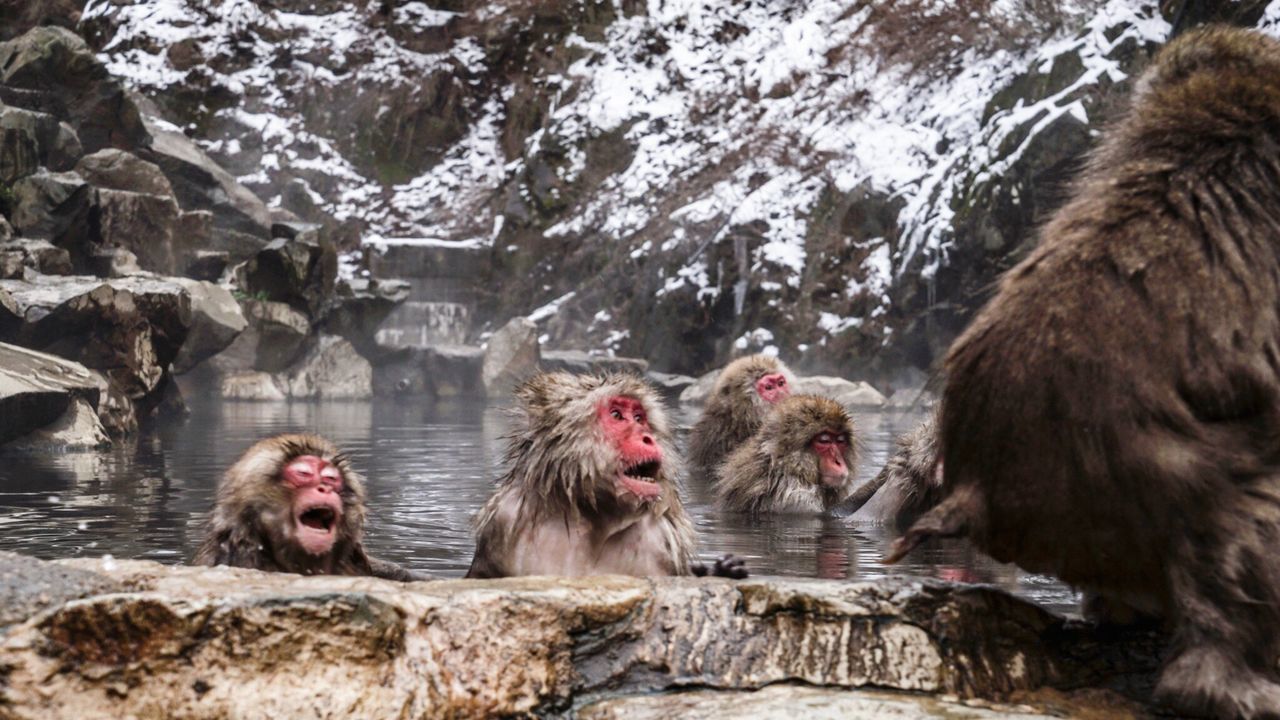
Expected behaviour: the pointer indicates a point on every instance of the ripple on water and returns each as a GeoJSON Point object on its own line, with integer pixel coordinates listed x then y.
{"type": "Point", "coordinates": [429, 467]}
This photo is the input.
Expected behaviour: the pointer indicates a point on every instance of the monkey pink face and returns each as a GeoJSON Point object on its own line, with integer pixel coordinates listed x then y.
{"type": "Point", "coordinates": [626, 426]}
{"type": "Point", "coordinates": [316, 485]}
{"type": "Point", "coordinates": [830, 447]}
{"type": "Point", "coordinates": [773, 387]}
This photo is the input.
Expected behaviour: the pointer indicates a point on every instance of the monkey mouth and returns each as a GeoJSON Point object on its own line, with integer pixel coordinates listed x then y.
{"type": "Point", "coordinates": [640, 479]}
{"type": "Point", "coordinates": [317, 528]}
{"type": "Point", "coordinates": [318, 518]}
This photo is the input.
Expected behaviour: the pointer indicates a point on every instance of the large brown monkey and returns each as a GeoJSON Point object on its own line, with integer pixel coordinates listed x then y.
{"type": "Point", "coordinates": [799, 461]}
{"type": "Point", "coordinates": [1112, 416]}
{"type": "Point", "coordinates": [908, 485]}
{"type": "Point", "coordinates": [744, 393]}
{"type": "Point", "coordinates": [589, 488]}
{"type": "Point", "coordinates": [292, 503]}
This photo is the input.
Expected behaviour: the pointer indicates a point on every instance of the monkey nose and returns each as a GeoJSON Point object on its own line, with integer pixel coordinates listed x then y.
{"type": "Point", "coordinates": [647, 439]}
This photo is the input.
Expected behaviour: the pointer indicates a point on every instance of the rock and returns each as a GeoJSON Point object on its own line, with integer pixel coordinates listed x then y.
{"type": "Point", "coordinates": [295, 230]}
{"type": "Point", "coordinates": [192, 234]}
{"type": "Point", "coordinates": [696, 394]}
{"type": "Point", "coordinates": [59, 64]}
{"type": "Point", "coordinates": [360, 305]}
{"type": "Point", "coordinates": [29, 586]}
{"type": "Point", "coordinates": [251, 385]}
{"type": "Point", "coordinates": [141, 223]}
{"type": "Point", "coordinates": [115, 409]}
{"type": "Point", "coordinates": [55, 143]}
{"type": "Point", "coordinates": [207, 265]}
{"type": "Point", "coordinates": [376, 648]}
{"type": "Point", "coordinates": [110, 262]}
{"type": "Point", "coordinates": [39, 255]}
{"type": "Point", "coordinates": [19, 154]}
{"type": "Point", "coordinates": [241, 221]}
{"type": "Point", "coordinates": [12, 265]}
{"type": "Point", "coordinates": [38, 390]}
{"type": "Point", "coordinates": [6, 230]}
{"type": "Point", "coordinates": [299, 272]}
{"type": "Point", "coordinates": [46, 204]}
{"type": "Point", "coordinates": [782, 702]}
{"type": "Point", "coordinates": [331, 369]}
{"type": "Point", "coordinates": [118, 170]}
{"type": "Point", "coordinates": [511, 357]}
{"type": "Point", "coordinates": [669, 385]}
{"type": "Point", "coordinates": [577, 361]}
{"type": "Point", "coordinates": [443, 371]}
{"type": "Point", "coordinates": [79, 428]}
{"type": "Point", "coordinates": [846, 392]}
{"type": "Point", "coordinates": [271, 341]}
{"type": "Point", "coordinates": [129, 328]}
{"type": "Point", "coordinates": [216, 321]}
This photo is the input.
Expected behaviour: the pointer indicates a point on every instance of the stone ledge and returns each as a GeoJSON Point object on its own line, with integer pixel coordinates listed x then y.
{"type": "Point", "coordinates": [198, 642]}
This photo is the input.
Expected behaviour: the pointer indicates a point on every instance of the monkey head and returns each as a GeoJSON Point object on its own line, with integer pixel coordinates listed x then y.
{"type": "Point", "coordinates": [761, 379]}
{"type": "Point", "coordinates": [812, 431]}
{"type": "Point", "coordinates": [294, 498]}
{"type": "Point", "coordinates": [594, 443]}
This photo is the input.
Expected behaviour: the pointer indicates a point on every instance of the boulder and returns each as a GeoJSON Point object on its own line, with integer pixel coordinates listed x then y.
{"type": "Point", "coordinates": [118, 170]}
{"type": "Point", "coordinates": [39, 255]}
{"type": "Point", "coordinates": [252, 385]}
{"type": "Point", "coordinates": [670, 386]}
{"type": "Point", "coordinates": [359, 307]}
{"type": "Point", "coordinates": [115, 409]}
{"type": "Point", "coordinates": [216, 321]}
{"type": "Point", "coordinates": [79, 428]}
{"type": "Point", "coordinates": [41, 391]}
{"type": "Point", "coordinates": [441, 371]}
{"type": "Point", "coordinates": [12, 265]}
{"type": "Point", "coordinates": [183, 642]}
{"type": "Point", "coordinates": [299, 271]}
{"type": "Point", "coordinates": [846, 392]}
{"type": "Point", "coordinates": [579, 362]}
{"type": "Point", "coordinates": [140, 223]}
{"type": "Point", "coordinates": [129, 328]}
{"type": "Point", "coordinates": [45, 204]}
{"type": "Point", "coordinates": [75, 85]}
{"type": "Point", "coordinates": [272, 339]}
{"type": "Point", "coordinates": [511, 357]}
{"type": "Point", "coordinates": [19, 154]}
{"type": "Point", "coordinates": [55, 143]}
{"type": "Point", "coordinates": [696, 394]}
{"type": "Point", "coordinates": [331, 369]}
{"type": "Point", "coordinates": [241, 221]}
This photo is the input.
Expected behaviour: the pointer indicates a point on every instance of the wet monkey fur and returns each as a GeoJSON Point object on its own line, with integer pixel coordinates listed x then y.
{"type": "Point", "coordinates": [744, 393]}
{"type": "Point", "coordinates": [590, 486]}
{"type": "Point", "coordinates": [1112, 416]}
{"type": "Point", "coordinates": [292, 503]}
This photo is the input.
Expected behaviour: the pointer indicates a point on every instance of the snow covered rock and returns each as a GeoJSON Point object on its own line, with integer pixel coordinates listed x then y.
{"type": "Point", "coordinates": [511, 356]}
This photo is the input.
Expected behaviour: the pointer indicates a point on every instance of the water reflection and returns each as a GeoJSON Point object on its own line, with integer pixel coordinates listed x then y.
{"type": "Point", "coordinates": [429, 467]}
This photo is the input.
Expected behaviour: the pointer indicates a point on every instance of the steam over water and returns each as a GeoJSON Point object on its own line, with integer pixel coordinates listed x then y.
{"type": "Point", "coordinates": [429, 468]}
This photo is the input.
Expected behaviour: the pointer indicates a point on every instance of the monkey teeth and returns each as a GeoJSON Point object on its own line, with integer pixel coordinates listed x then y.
{"type": "Point", "coordinates": [647, 469]}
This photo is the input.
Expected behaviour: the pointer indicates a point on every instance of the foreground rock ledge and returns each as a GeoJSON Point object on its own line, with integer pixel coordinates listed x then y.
{"type": "Point", "coordinates": [148, 640]}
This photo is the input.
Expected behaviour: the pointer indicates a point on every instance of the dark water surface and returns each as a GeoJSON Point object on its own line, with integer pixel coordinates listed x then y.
{"type": "Point", "coordinates": [429, 467]}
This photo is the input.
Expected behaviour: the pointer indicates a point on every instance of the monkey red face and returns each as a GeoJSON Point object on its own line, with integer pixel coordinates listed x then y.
{"type": "Point", "coordinates": [626, 426]}
{"type": "Point", "coordinates": [830, 447]}
{"type": "Point", "coordinates": [316, 485]}
{"type": "Point", "coordinates": [773, 387]}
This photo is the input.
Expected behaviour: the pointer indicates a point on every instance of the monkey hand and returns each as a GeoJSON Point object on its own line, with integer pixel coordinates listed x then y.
{"type": "Point", "coordinates": [726, 566]}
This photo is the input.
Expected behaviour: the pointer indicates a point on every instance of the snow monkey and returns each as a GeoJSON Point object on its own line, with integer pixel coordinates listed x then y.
{"type": "Point", "coordinates": [1112, 416]}
{"type": "Point", "coordinates": [292, 503]}
{"type": "Point", "coordinates": [744, 393]}
{"type": "Point", "coordinates": [590, 486]}
{"type": "Point", "coordinates": [799, 461]}
{"type": "Point", "coordinates": [908, 485]}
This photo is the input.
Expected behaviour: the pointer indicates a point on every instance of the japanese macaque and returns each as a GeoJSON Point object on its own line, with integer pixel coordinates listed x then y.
{"type": "Point", "coordinates": [590, 486]}
{"type": "Point", "coordinates": [744, 393]}
{"type": "Point", "coordinates": [909, 485]}
{"type": "Point", "coordinates": [292, 503]}
{"type": "Point", "coordinates": [799, 461]}
{"type": "Point", "coordinates": [1112, 416]}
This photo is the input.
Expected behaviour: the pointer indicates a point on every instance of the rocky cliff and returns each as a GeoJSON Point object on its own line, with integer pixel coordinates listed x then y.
{"type": "Point", "coordinates": [840, 180]}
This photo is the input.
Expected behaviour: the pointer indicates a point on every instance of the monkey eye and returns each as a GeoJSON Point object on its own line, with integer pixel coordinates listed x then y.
{"type": "Point", "coordinates": [302, 469]}
{"type": "Point", "coordinates": [782, 381]}
{"type": "Point", "coordinates": [824, 438]}
{"type": "Point", "coordinates": [639, 418]}
{"type": "Point", "coordinates": [616, 414]}
{"type": "Point", "coordinates": [844, 439]}
{"type": "Point", "coordinates": [330, 473]}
